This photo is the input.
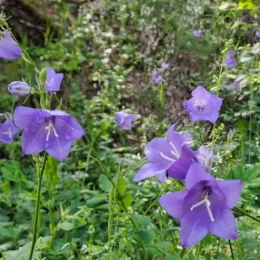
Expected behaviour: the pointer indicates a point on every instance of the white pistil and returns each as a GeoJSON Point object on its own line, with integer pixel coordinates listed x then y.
{"type": "Point", "coordinates": [207, 204]}
{"type": "Point", "coordinates": [166, 157]}
{"type": "Point", "coordinates": [199, 104]}
{"type": "Point", "coordinates": [49, 127]}
{"type": "Point", "coordinates": [9, 133]}
{"type": "Point", "coordinates": [175, 151]}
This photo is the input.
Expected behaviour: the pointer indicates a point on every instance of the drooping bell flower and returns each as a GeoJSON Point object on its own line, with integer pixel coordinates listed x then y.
{"type": "Point", "coordinates": [8, 131]}
{"type": "Point", "coordinates": [157, 77]}
{"type": "Point", "coordinates": [204, 206]}
{"type": "Point", "coordinates": [125, 120]}
{"type": "Point", "coordinates": [19, 88]}
{"type": "Point", "coordinates": [167, 156]}
{"type": "Point", "coordinates": [45, 130]}
{"type": "Point", "coordinates": [205, 158]}
{"type": "Point", "coordinates": [230, 60]}
{"type": "Point", "coordinates": [9, 49]}
{"type": "Point", "coordinates": [197, 33]}
{"type": "Point", "coordinates": [203, 106]}
{"type": "Point", "coordinates": [53, 80]}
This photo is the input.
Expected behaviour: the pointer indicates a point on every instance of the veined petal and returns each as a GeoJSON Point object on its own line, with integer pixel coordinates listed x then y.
{"type": "Point", "coordinates": [172, 203]}
{"type": "Point", "coordinates": [224, 225]}
{"type": "Point", "coordinates": [194, 226]}
{"type": "Point", "coordinates": [26, 117]}
{"type": "Point", "coordinates": [68, 128]}
{"type": "Point", "coordinates": [9, 51]}
{"type": "Point", "coordinates": [180, 167]}
{"type": "Point", "coordinates": [34, 139]}
{"type": "Point", "coordinates": [196, 174]}
{"type": "Point", "coordinates": [232, 191]}
{"type": "Point", "coordinates": [147, 171]}
{"type": "Point", "coordinates": [58, 148]}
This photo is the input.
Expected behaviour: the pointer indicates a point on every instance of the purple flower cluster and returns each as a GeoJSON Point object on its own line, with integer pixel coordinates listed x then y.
{"type": "Point", "coordinates": [42, 129]}
{"type": "Point", "coordinates": [204, 206]}
{"type": "Point", "coordinates": [230, 60]}
{"type": "Point", "coordinates": [158, 79]}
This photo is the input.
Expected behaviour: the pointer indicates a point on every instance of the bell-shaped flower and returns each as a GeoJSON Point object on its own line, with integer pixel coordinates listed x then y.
{"type": "Point", "coordinates": [125, 120]}
{"type": "Point", "coordinates": [205, 158]}
{"type": "Point", "coordinates": [19, 88]}
{"type": "Point", "coordinates": [230, 60]}
{"type": "Point", "coordinates": [167, 156]}
{"type": "Point", "coordinates": [164, 65]}
{"type": "Point", "coordinates": [204, 206]}
{"type": "Point", "coordinates": [53, 80]}
{"type": "Point", "coordinates": [157, 77]}
{"type": "Point", "coordinates": [203, 106]}
{"type": "Point", "coordinates": [8, 131]}
{"type": "Point", "coordinates": [9, 49]}
{"type": "Point", "coordinates": [45, 130]}
{"type": "Point", "coordinates": [197, 33]}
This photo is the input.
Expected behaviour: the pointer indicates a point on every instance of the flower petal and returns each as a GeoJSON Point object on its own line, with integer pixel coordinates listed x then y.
{"type": "Point", "coordinates": [147, 171]}
{"type": "Point", "coordinates": [196, 174]}
{"type": "Point", "coordinates": [179, 169]}
{"type": "Point", "coordinates": [58, 148]}
{"type": "Point", "coordinates": [25, 117]}
{"type": "Point", "coordinates": [194, 226]}
{"type": "Point", "coordinates": [172, 203]}
{"type": "Point", "coordinates": [224, 225]}
{"type": "Point", "coordinates": [9, 51]}
{"type": "Point", "coordinates": [232, 190]}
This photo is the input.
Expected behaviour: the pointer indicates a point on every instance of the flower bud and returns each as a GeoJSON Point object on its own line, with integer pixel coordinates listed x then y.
{"type": "Point", "coordinates": [19, 88]}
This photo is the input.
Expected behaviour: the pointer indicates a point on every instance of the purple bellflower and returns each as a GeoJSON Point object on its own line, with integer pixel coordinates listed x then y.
{"type": "Point", "coordinates": [8, 131]}
{"type": "Point", "coordinates": [233, 85]}
{"type": "Point", "coordinates": [9, 49]}
{"type": "Point", "coordinates": [257, 33]}
{"type": "Point", "coordinates": [203, 106]}
{"type": "Point", "coordinates": [157, 77]}
{"type": "Point", "coordinates": [125, 120]}
{"type": "Point", "coordinates": [204, 206]}
{"type": "Point", "coordinates": [45, 130]}
{"type": "Point", "coordinates": [53, 80]}
{"type": "Point", "coordinates": [164, 65]}
{"type": "Point", "coordinates": [19, 88]}
{"type": "Point", "coordinates": [230, 60]}
{"type": "Point", "coordinates": [169, 155]}
{"type": "Point", "coordinates": [197, 33]}
{"type": "Point", "coordinates": [205, 158]}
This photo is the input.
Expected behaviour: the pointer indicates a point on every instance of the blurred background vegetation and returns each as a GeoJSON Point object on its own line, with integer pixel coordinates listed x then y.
{"type": "Point", "coordinates": [107, 50]}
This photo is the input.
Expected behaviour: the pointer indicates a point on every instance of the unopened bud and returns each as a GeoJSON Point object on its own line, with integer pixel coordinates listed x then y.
{"type": "Point", "coordinates": [19, 88]}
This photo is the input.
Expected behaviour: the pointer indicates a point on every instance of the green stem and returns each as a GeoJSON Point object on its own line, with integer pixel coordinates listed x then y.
{"type": "Point", "coordinates": [52, 219]}
{"type": "Point", "coordinates": [37, 207]}
{"type": "Point", "coordinates": [231, 249]}
{"type": "Point", "coordinates": [198, 251]}
{"type": "Point", "coordinates": [246, 214]}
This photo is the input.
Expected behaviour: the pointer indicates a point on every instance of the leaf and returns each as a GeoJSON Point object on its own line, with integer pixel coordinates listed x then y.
{"type": "Point", "coordinates": [121, 186]}
{"type": "Point", "coordinates": [96, 201]}
{"type": "Point", "coordinates": [143, 221]}
{"type": "Point", "coordinates": [67, 226]}
{"type": "Point", "coordinates": [128, 199]}
{"type": "Point", "coordinates": [145, 235]}
{"type": "Point", "coordinates": [172, 257]}
{"type": "Point", "coordinates": [104, 183]}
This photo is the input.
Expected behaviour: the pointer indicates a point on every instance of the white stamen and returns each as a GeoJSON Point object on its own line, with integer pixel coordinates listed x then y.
{"type": "Point", "coordinates": [49, 127]}
{"type": "Point", "coordinates": [166, 157]}
{"type": "Point", "coordinates": [207, 204]}
{"type": "Point", "coordinates": [175, 151]}
{"type": "Point", "coordinates": [9, 133]}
